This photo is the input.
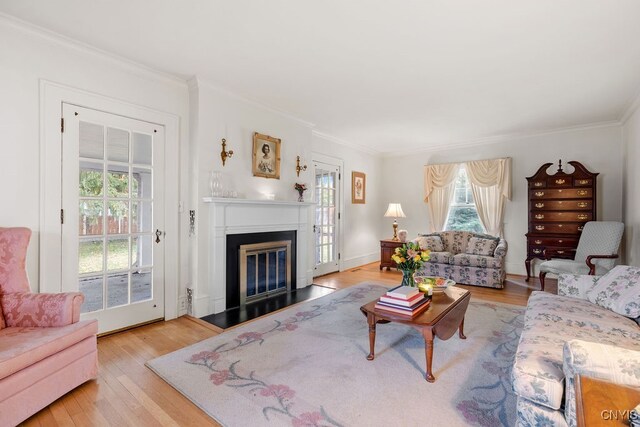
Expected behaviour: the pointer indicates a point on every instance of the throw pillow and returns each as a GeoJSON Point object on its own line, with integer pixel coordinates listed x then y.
{"type": "Point", "coordinates": [480, 246]}
{"type": "Point", "coordinates": [618, 290]}
{"type": "Point", "coordinates": [433, 243]}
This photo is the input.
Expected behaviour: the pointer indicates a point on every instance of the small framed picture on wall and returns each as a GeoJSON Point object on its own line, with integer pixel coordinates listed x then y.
{"type": "Point", "coordinates": [266, 156]}
{"type": "Point", "coordinates": [358, 187]}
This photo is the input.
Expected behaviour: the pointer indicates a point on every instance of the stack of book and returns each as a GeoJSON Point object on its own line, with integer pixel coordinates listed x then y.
{"type": "Point", "coordinates": [403, 300]}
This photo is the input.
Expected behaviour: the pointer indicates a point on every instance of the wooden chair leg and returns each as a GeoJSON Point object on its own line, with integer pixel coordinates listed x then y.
{"type": "Point", "coordinates": [542, 276]}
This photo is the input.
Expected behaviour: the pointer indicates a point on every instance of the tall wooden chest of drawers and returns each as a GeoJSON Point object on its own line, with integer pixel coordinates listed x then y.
{"type": "Point", "coordinates": [559, 206]}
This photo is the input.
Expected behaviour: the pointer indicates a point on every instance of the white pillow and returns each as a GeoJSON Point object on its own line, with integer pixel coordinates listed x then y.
{"type": "Point", "coordinates": [618, 290]}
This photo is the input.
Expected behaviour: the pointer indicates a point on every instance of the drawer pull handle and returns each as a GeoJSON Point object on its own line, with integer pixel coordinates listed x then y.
{"type": "Point", "coordinates": [538, 184]}
{"type": "Point", "coordinates": [539, 205]}
{"type": "Point", "coordinates": [539, 193]}
{"type": "Point", "coordinates": [559, 225]}
{"type": "Point", "coordinates": [560, 181]}
{"type": "Point", "coordinates": [560, 241]}
{"type": "Point", "coordinates": [560, 202]}
{"type": "Point", "coordinates": [539, 227]}
{"type": "Point", "coordinates": [537, 251]}
{"type": "Point", "coordinates": [582, 192]}
{"type": "Point", "coordinates": [583, 216]}
{"type": "Point", "coordinates": [583, 204]}
{"type": "Point", "coordinates": [583, 181]}
{"type": "Point", "coordinates": [580, 228]}
{"type": "Point", "coordinates": [539, 216]}
{"type": "Point", "coordinates": [537, 242]}
{"type": "Point", "coordinates": [560, 252]}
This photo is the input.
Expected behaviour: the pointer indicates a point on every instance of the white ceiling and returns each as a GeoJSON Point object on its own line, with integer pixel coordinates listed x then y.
{"type": "Point", "coordinates": [391, 75]}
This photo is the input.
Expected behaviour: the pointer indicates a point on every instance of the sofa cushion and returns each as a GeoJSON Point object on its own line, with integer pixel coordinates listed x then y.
{"type": "Point", "coordinates": [559, 266]}
{"type": "Point", "coordinates": [22, 347]}
{"type": "Point", "coordinates": [477, 261]}
{"type": "Point", "coordinates": [481, 246]}
{"type": "Point", "coordinates": [433, 243]}
{"type": "Point", "coordinates": [618, 290]}
{"type": "Point", "coordinates": [440, 257]}
{"type": "Point", "coordinates": [550, 321]}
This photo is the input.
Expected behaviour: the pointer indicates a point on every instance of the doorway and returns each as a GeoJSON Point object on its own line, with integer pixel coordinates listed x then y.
{"type": "Point", "coordinates": [327, 216]}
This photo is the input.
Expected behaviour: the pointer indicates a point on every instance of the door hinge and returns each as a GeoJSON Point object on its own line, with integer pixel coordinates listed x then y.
{"type": "Point", "coordinates": [61, 124]}
{"type": "Point", "coordinates": [339, 255]}
{"type": "Point", "coordinates": [61, 216]}
{"type": "Point", "coordinates": [338, 215]}
{"type": "Point", "coordinates": [339, 176]}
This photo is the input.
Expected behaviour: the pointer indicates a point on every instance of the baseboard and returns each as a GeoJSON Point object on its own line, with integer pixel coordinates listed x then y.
{"type": "Point", "coordinates": [350, 263]}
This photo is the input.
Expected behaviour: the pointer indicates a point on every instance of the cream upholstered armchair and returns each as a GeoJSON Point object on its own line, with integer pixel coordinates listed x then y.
{"type": "Point", "coordinates": [595, 254]}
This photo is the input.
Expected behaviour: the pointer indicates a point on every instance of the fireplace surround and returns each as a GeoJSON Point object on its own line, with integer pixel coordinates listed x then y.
{"type": "Point", "coordinates": [229, 218]}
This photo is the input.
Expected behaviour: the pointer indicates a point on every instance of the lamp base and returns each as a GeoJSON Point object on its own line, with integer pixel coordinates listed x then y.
{"type": "Point", "coordinates": [395, 231]}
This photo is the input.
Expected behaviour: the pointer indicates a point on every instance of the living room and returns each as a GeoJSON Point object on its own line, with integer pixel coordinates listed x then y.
{"type": "Point", "coordinates": [377, 91]}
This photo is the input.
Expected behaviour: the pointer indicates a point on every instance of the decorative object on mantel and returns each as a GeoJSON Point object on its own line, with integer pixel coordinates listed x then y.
{"type": "Point", "coordinates": [215, 184]}
{"type": "Point", "coordinates": [300, 188]}
{"type": "Point", "coordinates": [266, 156]}
{"type": "Point", "coordinates": [224, 154]}
{"type": "Point", "coordinates": [395, 211]}
{"type": "Point", "coordinates": [409, 258]}
{"type": "Point", "coordinates": [559, 206]}
{"type": "Point", "coordinates": [358, 187]}
{"type": "Point", "coordinates": [402, 235]}
{"type": "Point", "coordinates": [298, 167]}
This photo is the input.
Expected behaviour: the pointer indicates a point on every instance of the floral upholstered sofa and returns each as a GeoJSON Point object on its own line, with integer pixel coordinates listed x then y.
{"type": "Point", "coordinates": [590, 328]}
{"type": "Point", "coordinates": [468, 258]}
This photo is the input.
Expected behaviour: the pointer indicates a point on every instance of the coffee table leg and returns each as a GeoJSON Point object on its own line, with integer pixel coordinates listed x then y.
{"type": "Point", "coordinates": [371, 320]}
{"type": "Point", "coordinates": [428, 350]}
{"type": "Point", "coordinates": [461, 330]}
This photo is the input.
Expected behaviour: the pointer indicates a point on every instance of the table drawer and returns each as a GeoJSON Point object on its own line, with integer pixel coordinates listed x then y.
{"type": "Point", "coordinates": [561, 205]}
{"type": "Point", "coordinates": [562, 216]}
{"type": "Point", "coordinates": [553, 241]}
{"type": "Point", "coordinates": [560, 193]}
{"type": "Point", "coordinates": [560, 228]}
{"type": "Point", "coordinates": [560, 182]}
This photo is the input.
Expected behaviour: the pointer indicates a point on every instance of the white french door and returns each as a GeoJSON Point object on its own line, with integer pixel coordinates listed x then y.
{"type": "Point", "coordinates": [326, 229]}
{"type": "Point", "coordinates": [113, 216]}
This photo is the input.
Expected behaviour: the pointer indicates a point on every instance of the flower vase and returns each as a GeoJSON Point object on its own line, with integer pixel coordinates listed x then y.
{"type": "Point", "coordinates": [407, 278]}
{"type": "Point", "coordinates": [301, 196]}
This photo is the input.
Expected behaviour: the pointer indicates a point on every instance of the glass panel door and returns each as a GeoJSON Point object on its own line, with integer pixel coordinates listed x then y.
{"type": "Point", "coordinates": [326, 218]}
{"type": "Point", "coordinates": [110, 165]}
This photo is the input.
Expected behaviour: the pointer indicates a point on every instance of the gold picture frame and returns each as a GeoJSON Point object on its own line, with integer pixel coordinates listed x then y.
{"type": "Point", "coordinates": [266, 156]}
{"type": "Point", "coordinates": [358, 187]}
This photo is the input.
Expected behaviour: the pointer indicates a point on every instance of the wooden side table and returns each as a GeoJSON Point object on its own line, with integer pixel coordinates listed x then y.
{"type": "Point", "coordinates": [387, 247]}
{"type": "Point", "coordinates": [601, 403]}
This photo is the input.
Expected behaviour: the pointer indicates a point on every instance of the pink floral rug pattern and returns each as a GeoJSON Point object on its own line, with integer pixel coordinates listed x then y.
{"type": "Point", "coordinates": [306, 366]}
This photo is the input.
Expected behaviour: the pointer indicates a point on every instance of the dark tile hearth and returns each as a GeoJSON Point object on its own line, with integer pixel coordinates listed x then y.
{"type": "Point", "coordinates": [235, 316]}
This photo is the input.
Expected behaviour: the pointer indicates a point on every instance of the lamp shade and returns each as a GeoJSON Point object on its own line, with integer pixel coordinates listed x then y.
{"type": "Point", "coordinates": [394, 211]}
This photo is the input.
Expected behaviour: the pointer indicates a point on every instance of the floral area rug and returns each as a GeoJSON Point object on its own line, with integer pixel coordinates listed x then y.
{"type": "Point", "coordinates": [306, 366]}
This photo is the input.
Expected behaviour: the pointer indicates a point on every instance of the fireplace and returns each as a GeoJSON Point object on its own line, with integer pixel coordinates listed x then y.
{"type": "Point", "coordinates": [259, 265]}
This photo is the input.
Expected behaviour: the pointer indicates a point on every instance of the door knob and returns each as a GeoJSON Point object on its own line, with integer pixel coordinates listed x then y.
{"type": "Point", "coordinates": [158, 234]}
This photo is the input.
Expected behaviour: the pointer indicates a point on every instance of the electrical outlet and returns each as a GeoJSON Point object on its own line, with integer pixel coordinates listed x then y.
{"type": "Point", "coordinates": [183, 304]}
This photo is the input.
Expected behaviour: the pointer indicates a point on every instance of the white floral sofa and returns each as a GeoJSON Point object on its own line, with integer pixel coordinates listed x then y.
{"type": "Point", "coordinates": [590, 328]}
{"type": "Point", "coordinates": [468, 258]}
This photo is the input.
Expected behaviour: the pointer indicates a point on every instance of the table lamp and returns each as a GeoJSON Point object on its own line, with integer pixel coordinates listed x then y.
{"type": "Point", "coordinates": [395, 211]}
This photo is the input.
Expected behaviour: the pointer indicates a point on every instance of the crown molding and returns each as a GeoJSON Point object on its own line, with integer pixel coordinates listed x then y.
{"type": "Point", "coordinates": [343, 142]}
{"type": "Point", "coordinates": [78, 46]}
{"type": "Point", "coordinates": [505, 137]}
{"type": "Point", "coordinates": [200, 82]}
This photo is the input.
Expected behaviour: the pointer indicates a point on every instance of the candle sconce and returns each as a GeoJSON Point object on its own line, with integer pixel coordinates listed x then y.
{"type": "Point", "coordinates": [224, 154]}
{"type": "Point", "coordinates": [298, 167]}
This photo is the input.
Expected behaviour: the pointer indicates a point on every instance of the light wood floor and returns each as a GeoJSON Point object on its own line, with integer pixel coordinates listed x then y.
{"type": "Point", "coordinates": [128, 393]}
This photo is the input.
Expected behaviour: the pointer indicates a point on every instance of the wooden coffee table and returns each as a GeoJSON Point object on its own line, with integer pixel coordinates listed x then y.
{"type": "Point", "coordinates": [444, 316]}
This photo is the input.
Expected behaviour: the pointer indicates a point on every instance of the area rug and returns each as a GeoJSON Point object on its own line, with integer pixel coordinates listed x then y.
{"type": "Point", "coordinates": [306, 366]}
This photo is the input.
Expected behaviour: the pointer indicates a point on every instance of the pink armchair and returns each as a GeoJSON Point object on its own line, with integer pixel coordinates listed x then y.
{"type": "Point", "coordinates": [45, 351]}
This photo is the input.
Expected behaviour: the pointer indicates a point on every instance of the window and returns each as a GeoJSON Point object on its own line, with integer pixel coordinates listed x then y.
{"type": "Point", "coordinates": [463, 214]}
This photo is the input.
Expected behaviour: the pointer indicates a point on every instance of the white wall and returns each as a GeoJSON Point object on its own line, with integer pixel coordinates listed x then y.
{"type": "Point", "coordinates": [216, 114]}
{"type": "Point", "coordinates": [599, 149]}
{"type": "Point", "coordinates": [631, 194]}
{"type": "Point", "coordinates": [28, 56]}
{"type": "Point", "coordinates": [360, 222]}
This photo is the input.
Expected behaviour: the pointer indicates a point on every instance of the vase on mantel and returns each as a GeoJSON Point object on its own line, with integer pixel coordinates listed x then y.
{"type": "Point", "coordinates": [301, 196]}
{"type": "Point", "coordinates": [407, 278]}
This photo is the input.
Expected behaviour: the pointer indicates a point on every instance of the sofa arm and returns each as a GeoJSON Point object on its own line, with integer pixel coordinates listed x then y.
{"type": "Point", "coordinates": [23, 309]}
{"type": "Point", "coordinates": [575, 285]}
{"type": "Point", "coordinates": [606, 362]}
{"type": "Point", "coordinates": [501, 249]}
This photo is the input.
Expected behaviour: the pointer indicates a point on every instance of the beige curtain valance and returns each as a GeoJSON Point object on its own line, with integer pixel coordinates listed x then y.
{"type": "Point", "coordinates": [438, 176]}
{"type": "Point", "coordinates": [490, 173]}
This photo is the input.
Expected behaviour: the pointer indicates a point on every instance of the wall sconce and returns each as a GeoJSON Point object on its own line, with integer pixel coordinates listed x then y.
{"type": "Point", "coordinates": [224, 154]}
{"type": "Point", "coordinates": [298, 167]}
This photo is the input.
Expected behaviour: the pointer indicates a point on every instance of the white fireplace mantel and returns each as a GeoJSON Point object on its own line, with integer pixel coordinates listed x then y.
{"type": "Point", "coordinates": [237, 216]}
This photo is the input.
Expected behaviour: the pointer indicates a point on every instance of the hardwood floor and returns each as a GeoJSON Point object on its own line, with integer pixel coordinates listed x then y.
{"type": "Point", "coordinates": [128, 393]}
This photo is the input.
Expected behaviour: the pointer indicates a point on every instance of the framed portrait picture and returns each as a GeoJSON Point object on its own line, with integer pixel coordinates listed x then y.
{"type": "Point", "coordinates": [358, 187]}
{"type": "Point", "coordinates": [266, 156]}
